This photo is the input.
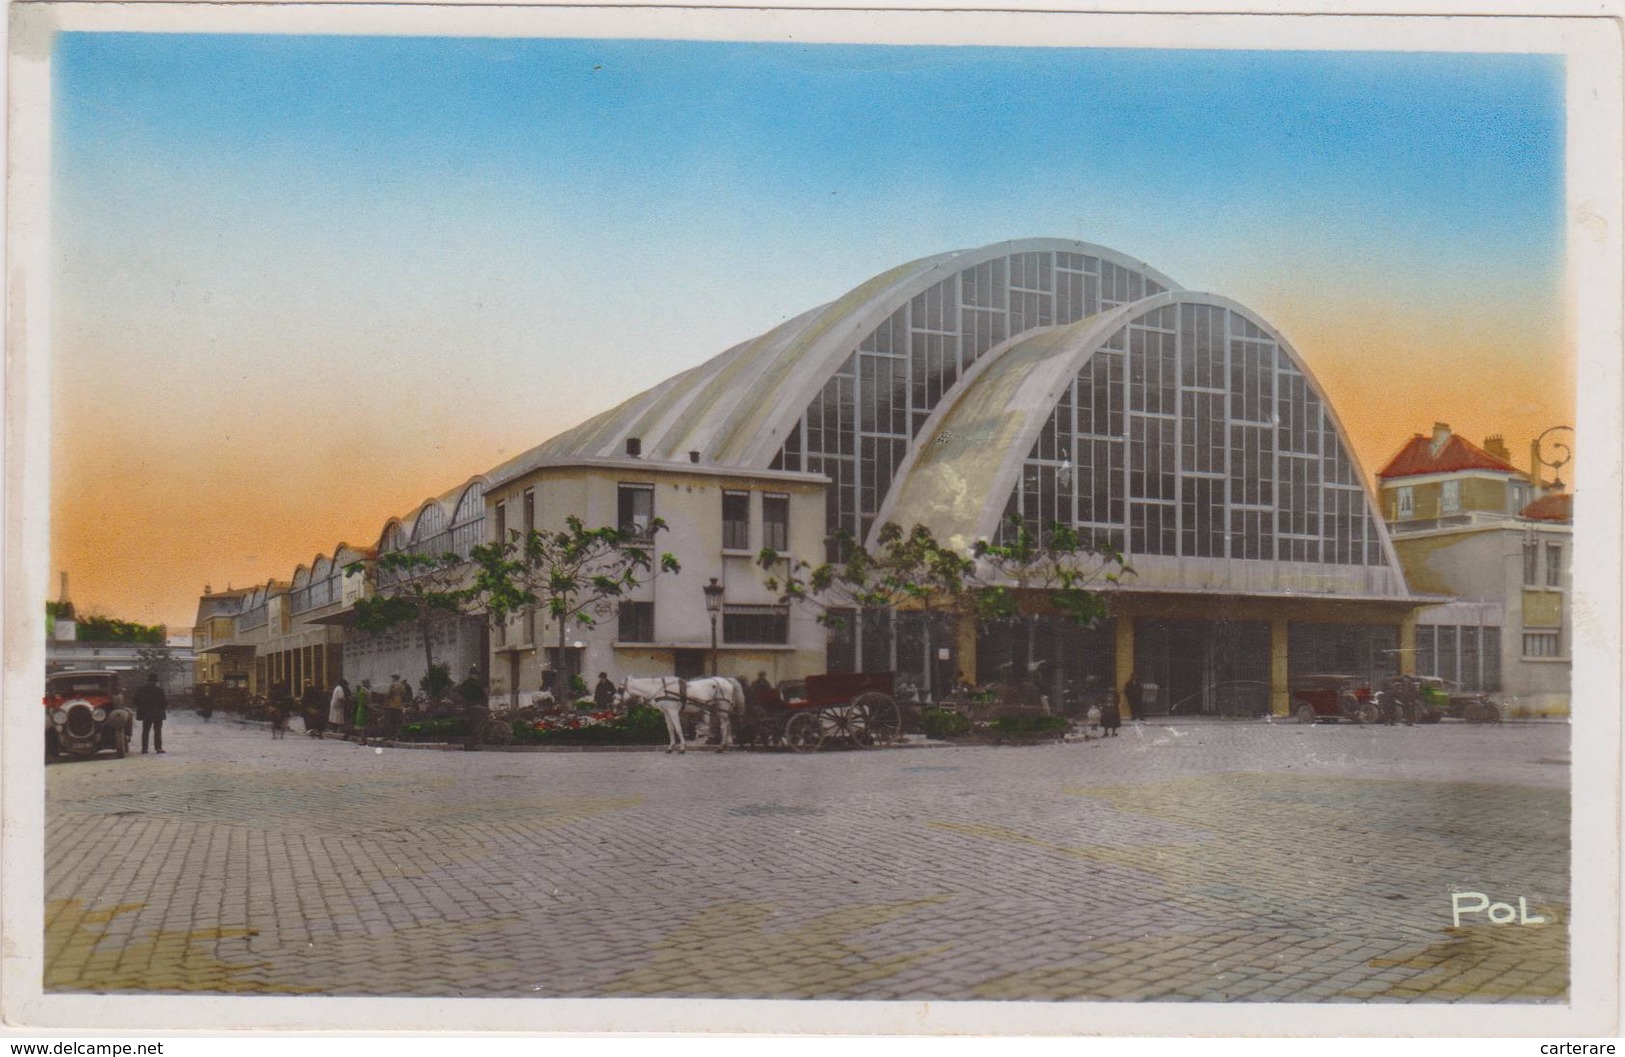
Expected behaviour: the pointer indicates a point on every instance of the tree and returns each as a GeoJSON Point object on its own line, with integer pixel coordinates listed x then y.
{"type": "Point", "coordinates": [567, 573]}
{"type": "Point", "coordinates": [159, 661]}
{"type": "Point", "coordinates": [95, 628]}
{"type": "Point", "coordinates": [1030, 576]}
{"type": "Point", "coordinates": [908, 571]}
{"type": "Point", "coordinates": [425, 590]}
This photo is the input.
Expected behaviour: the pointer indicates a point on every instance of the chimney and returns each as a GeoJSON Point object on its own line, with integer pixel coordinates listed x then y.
{"type": "Point", "coordinates": [1441, 437]}
{"type": "Point", "coordinates": [66, 628]}
{"type": "Point", "coordinates": [634, 447]}
{"type": "Point", "coordinates": [694, 456]}
{"type": "Point", "coordinates": [1496, 445]}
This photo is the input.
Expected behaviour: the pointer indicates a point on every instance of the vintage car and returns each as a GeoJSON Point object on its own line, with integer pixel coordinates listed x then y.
{"type": "Point", "coordinates": [1332, 697]}
{"type": "Point", "coordinates": [1452, 700]}
{"type": "Point", "coordinates": [85, 713]}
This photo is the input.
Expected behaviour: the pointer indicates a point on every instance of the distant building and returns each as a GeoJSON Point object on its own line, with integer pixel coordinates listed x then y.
{"type": "Point", "coordinates": [65, 651]}
{"type": "Point", "coordinates": [1469, 524]}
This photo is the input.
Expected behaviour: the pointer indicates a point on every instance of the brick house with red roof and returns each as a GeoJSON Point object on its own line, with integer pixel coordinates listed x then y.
{"type": "Point", "coordinates": [1468, 523]}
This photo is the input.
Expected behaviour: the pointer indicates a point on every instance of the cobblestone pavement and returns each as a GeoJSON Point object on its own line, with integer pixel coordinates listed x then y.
{"type": "Point", "coordinates": [1201, 861]}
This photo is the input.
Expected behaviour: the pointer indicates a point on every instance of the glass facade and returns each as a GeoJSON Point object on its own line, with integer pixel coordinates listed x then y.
{"type": "Point", "coordinates": [858, 428]}
{"type": "Point", "coordinates": [1190, 432]}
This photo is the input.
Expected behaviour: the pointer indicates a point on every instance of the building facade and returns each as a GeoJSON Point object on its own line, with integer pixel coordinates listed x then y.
{"type": "Point", "coordinates": [1055, 381]}
{"type": "Point", "coordinates": [1042, 380]}
{"type": "Point", "coordinates": [1469, 525]}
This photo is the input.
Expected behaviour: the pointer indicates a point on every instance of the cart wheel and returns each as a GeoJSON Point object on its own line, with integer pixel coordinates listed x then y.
{"type": "Point", "coordinates": [804, 732]}
{"type": "Point", "coordinates": [1365, 712]}
{"type": "Point", "coordinates": [1306, 714]}
{"type": "Point", "coordinates": [844, 724]}
{"type": "Point", "coordinates": [881, 718]}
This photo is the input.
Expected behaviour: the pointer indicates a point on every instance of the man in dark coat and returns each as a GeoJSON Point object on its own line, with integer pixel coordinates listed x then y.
{"type": "Point", "coordinates": [313, 704]}
{"type": "Point", "coordinates": [1135, 692]}
{"type": "Point", "coordinates": [476, 709]}
{"type": "Point", "coordinates": [1110, 717]}
{"type": "Point", "coordinates": [603, 695]}
{"type": "Point", "coordinates": [151, 708]}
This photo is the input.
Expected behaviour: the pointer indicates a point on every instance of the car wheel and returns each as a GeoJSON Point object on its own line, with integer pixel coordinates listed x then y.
{"type": "Point", "coordinates": [1365, 712]}
{"type": "Point", "coordinates": [1306, 714]}
{"type": "Point", "coordinates": [121, 743]}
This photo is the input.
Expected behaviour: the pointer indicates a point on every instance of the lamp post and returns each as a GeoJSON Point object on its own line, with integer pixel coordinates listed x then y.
{"type": "Point", "coordinates": [713, 605]}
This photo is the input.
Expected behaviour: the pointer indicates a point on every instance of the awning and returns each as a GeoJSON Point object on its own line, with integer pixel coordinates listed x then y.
{"type": "Point", "coordinates": [230, 647]}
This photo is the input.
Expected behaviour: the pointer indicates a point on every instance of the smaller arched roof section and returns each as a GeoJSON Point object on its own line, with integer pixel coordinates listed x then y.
{"type": "Point", "coordinates": [468, 501]}
{"type": "Point", "coordinates": [344, 555]}
{"type": "Point", "coordinates": [737, 408]}
{"type": "Point", "coordinates": [322, 567]}
{"type": "Point", "coordinates": [429, 518]}
{"type": "Point", "coordinates": [958, 477]}
{"type": "Point", "coordinates": [393, 537]}
{"type": "Point", "coordinates": [301, 577]}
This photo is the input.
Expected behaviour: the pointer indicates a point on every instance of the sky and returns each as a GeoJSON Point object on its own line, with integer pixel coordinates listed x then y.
{"type": "Point", "coordinates": [301, 284]}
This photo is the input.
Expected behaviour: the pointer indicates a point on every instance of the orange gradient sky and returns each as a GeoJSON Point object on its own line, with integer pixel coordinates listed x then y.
{"type": "Point", "coordinates": [302, 284]}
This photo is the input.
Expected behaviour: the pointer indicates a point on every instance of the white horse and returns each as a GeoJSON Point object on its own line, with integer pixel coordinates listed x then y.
{"type": "Point", "coordinates": [716, 695]}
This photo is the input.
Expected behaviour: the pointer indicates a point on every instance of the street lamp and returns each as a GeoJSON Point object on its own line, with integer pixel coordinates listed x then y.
{"type": "Point", "coordinates": [713, 605]}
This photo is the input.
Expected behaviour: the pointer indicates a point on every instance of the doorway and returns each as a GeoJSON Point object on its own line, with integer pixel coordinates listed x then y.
{"type": "Point", "coordinates": [1204, 667]}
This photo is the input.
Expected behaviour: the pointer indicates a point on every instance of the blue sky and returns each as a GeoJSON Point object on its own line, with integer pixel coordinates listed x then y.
{"type": "Point", "coordinates": [376, 235]}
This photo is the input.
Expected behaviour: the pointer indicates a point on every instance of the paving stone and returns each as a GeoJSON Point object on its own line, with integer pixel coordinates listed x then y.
{"type": "Point", "coordinates": [1198, 862]}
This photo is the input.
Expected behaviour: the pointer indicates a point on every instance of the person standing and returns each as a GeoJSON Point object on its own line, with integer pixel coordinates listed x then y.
{"type": "Point", "coordinates": [310, 708]}
{"type": "Point", "coordinates": [152, 708]}
{"type": "Point", "coordinates": [1134, 690]}
{"type": "Point", "coordinates": [363, 702]}
{"type": "Point", "coordinates": [336, 704]}
{"type": "Point", "coordinates": [603, 694]}
{"type": "Point", "coordinates": [281, 704]}
{"type": "Point", "coordinates": [476, 710]}
{"type": "Point", "coordinates": [1111, 717]}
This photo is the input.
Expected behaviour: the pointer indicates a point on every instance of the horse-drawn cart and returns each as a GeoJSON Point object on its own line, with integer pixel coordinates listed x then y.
{"type": "Point", "coordinates": [855, 710]}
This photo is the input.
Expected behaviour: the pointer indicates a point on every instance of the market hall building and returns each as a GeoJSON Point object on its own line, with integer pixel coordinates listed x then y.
{"type": "Point", "coordinates": [1045, 379]}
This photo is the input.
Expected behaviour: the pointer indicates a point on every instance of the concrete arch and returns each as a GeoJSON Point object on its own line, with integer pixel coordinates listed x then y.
{"type": "Point", "coordinates": [737, 408]}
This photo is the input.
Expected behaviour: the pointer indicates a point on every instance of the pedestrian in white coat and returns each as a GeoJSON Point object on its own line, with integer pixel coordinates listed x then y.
{"type": "Point", "coordinates": [335, 705]}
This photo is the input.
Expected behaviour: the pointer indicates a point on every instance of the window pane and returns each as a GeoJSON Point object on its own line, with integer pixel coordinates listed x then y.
{"type": "Point", "coordinates": [776, 522]}
{"type": "Point", "coordinates": [637, 622]}
{"type": "Point", "coordinates": [756, 624]}
{"type": "Point", "coordinates": [736, 520]}
{"type": "Point", "coordinates": [636, 508]}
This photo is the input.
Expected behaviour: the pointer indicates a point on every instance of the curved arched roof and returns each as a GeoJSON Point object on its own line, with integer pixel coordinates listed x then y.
{"type": "Point", "coordinates": [737, 408]}
{"type": "Point", "coordinates": [969, 456]}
